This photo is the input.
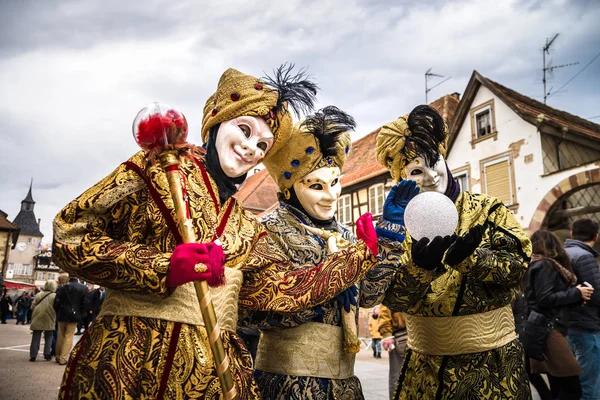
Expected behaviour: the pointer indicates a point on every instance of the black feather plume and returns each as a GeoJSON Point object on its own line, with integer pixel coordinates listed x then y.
{"type": "Point", "coordinates": [428, 130]}
{"type": "Point", "coordinates": [327, 125]}
{"type": "Point", "coordinates": [294, 88]}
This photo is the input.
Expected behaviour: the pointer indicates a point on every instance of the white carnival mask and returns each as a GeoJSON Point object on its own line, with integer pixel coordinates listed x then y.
{"type": "Point", "coordinates": [429, 179]}
{"type": "Point", "coordinates": [318, 192]}
{"type": "Point", "coordinates": [242, 143]}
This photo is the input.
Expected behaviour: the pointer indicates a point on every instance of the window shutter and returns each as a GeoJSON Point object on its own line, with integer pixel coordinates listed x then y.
{"type": "Point", "coordinates": [497, 181]}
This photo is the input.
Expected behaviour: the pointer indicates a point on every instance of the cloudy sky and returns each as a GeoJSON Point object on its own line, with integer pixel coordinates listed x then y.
{"type": "Point", "coordinates": [73, 74]}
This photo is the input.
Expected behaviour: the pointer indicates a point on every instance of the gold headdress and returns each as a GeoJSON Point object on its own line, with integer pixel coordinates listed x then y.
{"type": "Point", "coordinates": [322, 140]}
{"type": "Point", "coordinates": [239, 94]}
{"type": "Point", "coordinates": [421, 133]}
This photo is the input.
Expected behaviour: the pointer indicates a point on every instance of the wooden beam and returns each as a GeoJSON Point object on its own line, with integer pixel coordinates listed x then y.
{"type": "Point", "coordinates": [572, 212]}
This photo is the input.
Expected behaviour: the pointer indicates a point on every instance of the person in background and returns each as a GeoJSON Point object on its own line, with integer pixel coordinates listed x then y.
{"type": "Point", "coordinates": [584, 319]}
{"type": "Point", "coordinates": [69, 305]}
{"type": "Point", "coordinates": [23, 305]}
{"type": "Point", "coordinates": [392, 328]}
{"type": "Point", "coordinates": [96, 301]}
{"type": "Point", "coordinates": [550, 290]}
{"type": "Point", "coordinates": [519, 307]}
{"type": "Point", "coordinates": [374, 332]}
{"type": "Point", "coordinates": [32, 296]}
{"type": "Point", "coordinates": [5, 305]}
{"type": "Point", "coordinates": [43, 320]}
{"type": "Point", "coordinates": [63, 279]}
{"type": "Point", "coordinates": [86, 314]}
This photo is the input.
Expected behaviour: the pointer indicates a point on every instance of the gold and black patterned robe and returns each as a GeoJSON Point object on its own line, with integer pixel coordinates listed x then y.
{"type": "Point", "coordinates": [483, 282]}
{"type": "Point", "coordinates": [149, 341]}
{"type": "Point", "coordinates": [286, 227]}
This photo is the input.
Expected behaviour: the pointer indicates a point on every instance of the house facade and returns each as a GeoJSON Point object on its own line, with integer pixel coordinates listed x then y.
{"type": "Point", "coordinates": [542, 162]}
{"type": "Point", "coordinates": [9, 233]}
{"type": "Point", "coordinates": [45, 269]}
{"type": "Point", "coordinates": [21, 260]}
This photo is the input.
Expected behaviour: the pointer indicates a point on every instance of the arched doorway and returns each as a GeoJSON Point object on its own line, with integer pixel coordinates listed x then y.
{"type": "Point", "coordinates": [575, 197]}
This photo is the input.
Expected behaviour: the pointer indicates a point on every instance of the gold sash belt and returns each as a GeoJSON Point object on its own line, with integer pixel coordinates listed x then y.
{"type": "Point", "coordinates": [461, 334]}
{"type": "Point", "coordinates": [182, 305]}
{"type": "Point", "coordinates": [311, 349]}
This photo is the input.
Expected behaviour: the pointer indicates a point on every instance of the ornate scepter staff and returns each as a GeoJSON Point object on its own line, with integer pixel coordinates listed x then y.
{"type": "Point", "coordinates": [161, 130]}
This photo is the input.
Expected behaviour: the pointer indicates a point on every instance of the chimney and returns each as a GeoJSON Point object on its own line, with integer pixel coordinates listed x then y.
{"type": "Point", "coordinates": [456, 95]}
{"type": "Point", "coordinates": [39, 221]}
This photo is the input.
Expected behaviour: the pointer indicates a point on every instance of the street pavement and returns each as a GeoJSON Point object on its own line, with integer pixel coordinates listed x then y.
{"type": "Point", "coordinates": [40, 380]}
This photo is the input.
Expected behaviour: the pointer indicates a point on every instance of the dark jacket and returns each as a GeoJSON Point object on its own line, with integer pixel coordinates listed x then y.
{"type": "Point", "coordinates": [583, 260]}
{"type": "Point", "coordinates": [69, 303]}
{"type": "Point", "coordinates": [547, 294]}
{"type": "Point", "coordinates": [5, 301]}
{"type": "Point", "coordinates": [96, 300]}
{"type": "Point", "coordinates": [519, 307]}
{"type": "Point", "coordinates": [24, 302]}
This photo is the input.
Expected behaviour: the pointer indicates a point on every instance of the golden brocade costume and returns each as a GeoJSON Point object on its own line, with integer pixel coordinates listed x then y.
{"type": "Point", "coordinates": [455, 299]}
{"type": "Point", "coordinates": [149, 341]}
{"type": "Point", "coordinates": [310, 354]}
{"type": "Point", "coordinates": [457, 355]}
{"type": "Point", "coordinates": [301, 355]}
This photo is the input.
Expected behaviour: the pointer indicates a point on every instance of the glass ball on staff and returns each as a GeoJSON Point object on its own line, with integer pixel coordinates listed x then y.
{"type": "Point", "coordinates": [158, 125]}
{"type": "Point", "coordinates": [430, 214]}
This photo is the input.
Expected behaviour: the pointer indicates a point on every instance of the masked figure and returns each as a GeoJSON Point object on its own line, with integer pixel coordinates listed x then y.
{"type": "Point", "coordinates": [149, 339]}
{"type": "Point", "coordinates": [310, 355]}
{"type": "Point", "coordinates": [456, 291]}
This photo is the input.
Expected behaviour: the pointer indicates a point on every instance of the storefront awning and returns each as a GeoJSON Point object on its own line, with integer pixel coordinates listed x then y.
{"type": "Point", "coordinates": [18, 285]}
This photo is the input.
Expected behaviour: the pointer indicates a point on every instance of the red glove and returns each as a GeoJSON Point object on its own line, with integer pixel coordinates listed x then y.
{"type": "Point", "coordinates": [365, 231]}
{"type": "Point", "coordinates": [187, 255]}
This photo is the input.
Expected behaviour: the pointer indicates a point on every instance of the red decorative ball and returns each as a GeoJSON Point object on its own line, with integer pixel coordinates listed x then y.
{"type": "Point", "coordinates": [258, 86]}
{"type": "Point", "coordinates": [157, 125]}
{"type": "Point", "coordinates": [235, 96]}
{"type": "Point", "coordinates": [214, 111]}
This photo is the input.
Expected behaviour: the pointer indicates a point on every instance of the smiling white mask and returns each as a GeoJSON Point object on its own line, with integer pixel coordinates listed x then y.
{"type": "Point", "coordinates": [429, 179]}
{"type": "Point", "coordinates": [318, 192]}
{"type": "Point", "coordinates": [242, 143]}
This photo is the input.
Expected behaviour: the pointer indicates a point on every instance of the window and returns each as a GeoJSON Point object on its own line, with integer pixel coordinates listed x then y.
{"type": "Point", "coordinates": [462, 175]}
{"type": "Point", "coordinates": [376, 199]}
{"type": "Point", "coordinates": [31, 240]}
{"type": "Point", "coordinates": [344, 211]}
{"type": "Point", "coordinates": [463, 181]}
{"type": "Point", "coordinates": [498, 178]}
{"type": "Point", "coordinates": [560, 153]}
{"type": "Point", "coordinates": [483, 122]}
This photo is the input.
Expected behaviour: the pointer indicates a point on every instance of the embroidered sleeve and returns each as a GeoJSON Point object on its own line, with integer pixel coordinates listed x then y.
{"type": "Point", "coordinates": [99, 237]}
{"type": "Point", "coordinates": [273, 283]}
{"type": "Point", "coordinates": [503, 254]}
{"type": "Point", "coordinates": [379, 279]}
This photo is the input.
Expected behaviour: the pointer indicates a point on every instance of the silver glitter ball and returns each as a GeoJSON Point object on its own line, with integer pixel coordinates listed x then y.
{"type": "Point", "coordinates": [430, 214]}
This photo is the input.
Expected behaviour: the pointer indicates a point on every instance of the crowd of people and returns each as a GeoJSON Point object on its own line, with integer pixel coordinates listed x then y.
{"type": "Point", "coordinates": [54, 312]}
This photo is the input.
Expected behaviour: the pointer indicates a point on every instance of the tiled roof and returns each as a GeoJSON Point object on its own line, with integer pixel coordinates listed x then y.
{"type": "Point", "coordinates": [362, 163]}
{"type": "Point", "coordinates": [5, 224]}
{"type": "Point", "coordinates": [258, 192]}
{"type": "Point", "coordinates": [526, 107]}
{"type": "Point", "coordinates": [25, 219]}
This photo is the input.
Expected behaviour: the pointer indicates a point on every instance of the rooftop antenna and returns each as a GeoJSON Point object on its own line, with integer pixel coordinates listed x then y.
{"type": "Point", "coordinates": [429, 75]}
{"type": "Point", "coordinates": [549, 66]}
